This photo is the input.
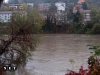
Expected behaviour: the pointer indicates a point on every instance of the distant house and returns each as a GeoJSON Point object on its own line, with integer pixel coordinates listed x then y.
{"type": "Point", "coordinates": [61, 15]}
{"type": "Point", "coordinates": [77, 7]}
{"type": "Point", "coordinates": [19, 6]}
{"type": "Point", "coordinates": [60, 6]}
{"type": "Point", "coordinates": [86, 14]}
{"type": "Point", "coordinates": [30, 4]}
{"type": "Point", "coordinates": [15, 6]}
{"type": "Point", "coordinates": [81, 1]}
{"type": "Point", "coordinates": [44, 6]}
{"type": "Point", "coordinates": [5, 16]}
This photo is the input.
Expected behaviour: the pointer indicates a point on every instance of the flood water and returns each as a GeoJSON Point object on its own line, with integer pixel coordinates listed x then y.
{"type": "Point", "coordinates": [52, 55]}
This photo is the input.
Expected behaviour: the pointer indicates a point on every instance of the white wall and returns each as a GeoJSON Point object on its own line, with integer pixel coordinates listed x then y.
{"type": "Point", "coordinates": [60, 6]}
{"type": "Point", "coordinates": [4, 17]}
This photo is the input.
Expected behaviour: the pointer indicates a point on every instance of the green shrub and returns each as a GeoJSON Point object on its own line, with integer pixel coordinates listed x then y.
{"type": "Point", "coordinates": [96, 28]}
{"type": "Point", "coordinates": [77, 27]}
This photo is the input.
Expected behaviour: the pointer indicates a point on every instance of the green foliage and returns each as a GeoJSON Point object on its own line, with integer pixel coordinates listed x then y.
{"type": "Point", "coordinates": [22, 41]}
{"type": "Point", "coordinates": [70, 14]}
{"type": "Point", "coordinates": [84, 5]}
{"type": "Point", "coordinates": [95, 15]}
{"type": "Point", "coordinates": [50, 24]}
{"type": "Point", "coordinates": [93, 60]}
{"type": "Point", "coordinates": [4, 28]}
{"type": "Point", "coordinates": [35, 19]}
{"type": "Point", "coordinates": [96, 28]}
{"type": "Point", "coordinates": [77, 27]}
{"type": "Point", "coordinates": [32, 18]}
{"type": "Point", "coordinates": [71, 61]}
{"type": "Point", "coordinates": [27, 24]}
{"type": "Point", "coordinates": [92, 27]}
{"type": "Point", "coordinates": [74, 27]}
{"type": "Point", "coordinates": [78, 17]}
{"type": "Point", "coordinates": [88, 27]}
{"type": "Point", "coordinates": [93, 64]}
{"type": "Point", "coordinates": [36, 7]}
{"type": "Point", "coordinates": [88, 31]}
{"type": "Point", "coordinates": [53, 8]}
{"type": "Point", "coordinates": [96, 50]}
{"type": "Point", "coordinates": [39, 1]}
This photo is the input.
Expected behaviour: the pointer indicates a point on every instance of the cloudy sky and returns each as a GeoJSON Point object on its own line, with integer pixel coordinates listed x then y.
{"type": "Point", "coordinates": [6, 0]}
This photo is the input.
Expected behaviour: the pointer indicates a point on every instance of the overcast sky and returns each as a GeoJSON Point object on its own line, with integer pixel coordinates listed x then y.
{"type": "Point", "coordinates": [6, 0]}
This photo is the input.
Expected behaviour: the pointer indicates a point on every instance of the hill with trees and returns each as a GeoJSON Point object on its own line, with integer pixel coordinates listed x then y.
{"type": "Point", "coordinates": [39, 1]}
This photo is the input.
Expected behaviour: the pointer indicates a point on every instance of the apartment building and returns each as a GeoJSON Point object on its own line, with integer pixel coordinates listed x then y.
{"type": "Point", "coordinates": [5, 16]}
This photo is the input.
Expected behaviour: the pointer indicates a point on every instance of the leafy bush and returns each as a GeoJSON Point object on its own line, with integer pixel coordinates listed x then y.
{"type": "Point", "coordinates": [77, 27]}
{"type": "Point", "coordinates": [96, 28]}
{"type": "Point", "coordinates": [93, 64]}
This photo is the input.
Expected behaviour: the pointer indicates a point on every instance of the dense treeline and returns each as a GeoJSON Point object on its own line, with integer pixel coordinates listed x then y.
{"type": "Point", "coordinates": [49, 1]}
{"type": "Point", "coordinates": [91, 27]}
{"type": "Point", "coordinates": [75, 20]}
{"type": "Point", "coordinates": [77, 25]}
{"type": "Point", "coordinates": [51, 25]}
{"type": "Point", "coordinates": [39, 1]}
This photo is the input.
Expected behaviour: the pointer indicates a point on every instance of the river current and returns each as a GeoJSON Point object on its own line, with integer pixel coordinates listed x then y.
{"type": "Point", "coordinates": [54, 51]}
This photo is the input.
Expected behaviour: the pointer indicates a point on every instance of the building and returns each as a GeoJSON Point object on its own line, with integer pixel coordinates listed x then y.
{"type": "Point", "coordinates": [44, 6]}
{"type": "Point", "coordinates": [81, 1]}
{"type": "Point", "coordinates": [5, 16]}
{"type": "Point", "coordinates": [19, 6]}
{"type": "Point", "coordinates": [15, 6]}
{"type": "Point", "coordinates": [77, 7]}
{"type": "Point", "coordinates": [61, 15]}
{"type": "Point", "coordinates": [30, 4]}
{"type": "Point", "coordinates": [86, 14]}
{"type": "Point", "coordinates": [60, 6]}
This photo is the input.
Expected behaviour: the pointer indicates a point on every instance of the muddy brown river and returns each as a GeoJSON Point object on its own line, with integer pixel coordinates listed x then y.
{"type": "Point", "coordinates": [54, 51]}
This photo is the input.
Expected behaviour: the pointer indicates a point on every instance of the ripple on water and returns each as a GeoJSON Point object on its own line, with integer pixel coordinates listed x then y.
{"type": "Point", "coordinates": [54, 52]}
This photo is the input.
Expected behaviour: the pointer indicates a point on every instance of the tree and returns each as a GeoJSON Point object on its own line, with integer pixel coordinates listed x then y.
{"type": "Point", "coordinates": [52, 8]}
{"type": "Point", "coordinates": [94, 25]}
{"type": "Point", "coordinates": [96, 28]}
{"type": "Point", "coordinates": [77, 27]}
{"type": "Point", "coordinates": [70, 14]}
{"type": "Point", "coordinates": [36, 6]}
{"type": "Point", "coordinates": [50, 24]}
{"type": "Point", "coordinates": [18, 48]}
{"type": "Point", "coordinates": [6, 8]}
{"type": "Point", "coordinates": [24, 6]}
{"type": "Point", "coordinates": [95, 15]}
{"type": "Point", "coordinates": [35, 19]}
{"type": "Point", "coordinates": [78, 17]}
{"type": "Point", "coordinates": [84, 5]}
